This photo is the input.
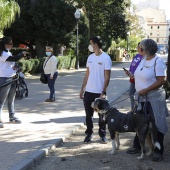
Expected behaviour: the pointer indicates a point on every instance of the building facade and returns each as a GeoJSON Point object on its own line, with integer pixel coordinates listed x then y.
{"type": "Point", "coordinates": [156, 27]}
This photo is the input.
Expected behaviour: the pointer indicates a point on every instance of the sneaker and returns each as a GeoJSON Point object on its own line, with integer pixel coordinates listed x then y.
{"type": "Point", "coordinates": [14, 120]}
{"type": "Point", "coordinates": [133, 150]}
{"type": "Point", "coordinates": [88, 139]}
{"type": "Point", "coordinates": [157, 157]}
{"type": "Point", "coordinates": [1, 124]}
{"type": "Point", "coordinates": [49, 100]}
{"type": "Point", "coordinates": [103, 139]}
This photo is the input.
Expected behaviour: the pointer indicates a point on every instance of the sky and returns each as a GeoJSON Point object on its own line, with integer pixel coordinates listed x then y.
{"type": "Point", "coordinates": [164, 4]}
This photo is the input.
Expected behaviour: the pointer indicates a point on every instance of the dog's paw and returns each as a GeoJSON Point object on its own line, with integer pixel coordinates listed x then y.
{"type": "Point", "coordinates": [149, 153]}
{"type": "Point", "coordinates": [111, 152]}
{"type": "Point", "coordinates": [140, 158]}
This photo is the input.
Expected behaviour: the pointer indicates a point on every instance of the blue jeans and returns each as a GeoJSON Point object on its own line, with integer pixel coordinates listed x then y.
{"type": "Point", "coordinates": [132, 91]}
{"type": "Point", "coordinates": [7, 93]}
{"type": "Point", "coordinates": [88, 99]}
{"type": "Point", "coordinates": [51, 83]}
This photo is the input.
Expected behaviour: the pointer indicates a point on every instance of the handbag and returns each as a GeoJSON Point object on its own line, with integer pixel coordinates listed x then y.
{"type": "Point", "coordinates": [43, 77]}
{"type": "Point", "coordinates": [166, 85]}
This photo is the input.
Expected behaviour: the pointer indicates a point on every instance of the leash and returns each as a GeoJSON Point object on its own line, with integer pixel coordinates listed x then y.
{"type": "Point", "coordinates": [112, 103]}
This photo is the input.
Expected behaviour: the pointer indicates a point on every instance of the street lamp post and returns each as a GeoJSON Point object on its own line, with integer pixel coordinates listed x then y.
{"type": "Point", "coordinates": [77, 16]}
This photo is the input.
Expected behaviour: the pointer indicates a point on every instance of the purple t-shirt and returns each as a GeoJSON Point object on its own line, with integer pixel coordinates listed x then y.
{"type": "Point", "coordinates": [135, 62]}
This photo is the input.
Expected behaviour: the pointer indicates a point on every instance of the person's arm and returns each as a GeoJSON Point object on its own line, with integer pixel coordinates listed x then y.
{"type": "Point", "coordinates": [160, 81]}
{"type": "Point", "coordinates": [53, 67]}
{"type": "Point", "coordinates": [17, 57]}
{"type": "Point", "coordinates": [106, 82]}
{"type": "Point", "coordinates": [84, 83]}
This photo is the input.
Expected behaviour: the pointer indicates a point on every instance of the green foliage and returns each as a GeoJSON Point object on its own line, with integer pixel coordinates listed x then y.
{"type": "Point", "coordinates": [33, 66]}
{"type": "Point", "coordinates": [8, 11]}
{"type": "Point", "coordinates": [53, 20]}
{"type": "Point", "coordinates": [106, 18]}
{"type": "Point", "coordinates": [66, 62]}
{"type": "Point", "coordinates": [45, 22]}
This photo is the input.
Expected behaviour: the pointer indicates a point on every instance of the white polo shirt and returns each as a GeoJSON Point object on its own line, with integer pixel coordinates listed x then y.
{"type": "Point", "coordinates": [97, 65]}
{"type": "Point", "coordinates": [6, 67]}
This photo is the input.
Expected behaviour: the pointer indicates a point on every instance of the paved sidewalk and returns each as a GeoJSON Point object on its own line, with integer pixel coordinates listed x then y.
{"type": "Point", "coordinates": [45, 125]}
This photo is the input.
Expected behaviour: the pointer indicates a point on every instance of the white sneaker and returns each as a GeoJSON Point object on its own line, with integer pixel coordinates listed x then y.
{"type": "Point", "coordinates": [1, 125]}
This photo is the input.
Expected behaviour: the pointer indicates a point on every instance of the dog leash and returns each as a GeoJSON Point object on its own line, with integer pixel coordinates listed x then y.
{"type": "Point", "coordinates": [112, 103]}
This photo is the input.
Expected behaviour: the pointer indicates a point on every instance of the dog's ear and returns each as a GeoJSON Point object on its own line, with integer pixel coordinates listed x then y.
{"type": "Point", "coordinates": [103, 104]}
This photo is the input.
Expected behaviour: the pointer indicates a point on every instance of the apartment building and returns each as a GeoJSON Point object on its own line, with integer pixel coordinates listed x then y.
{"type": "Point", "coordinates": [156, 27]}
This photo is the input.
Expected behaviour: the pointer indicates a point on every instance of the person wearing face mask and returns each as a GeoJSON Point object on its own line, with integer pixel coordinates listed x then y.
{"type": "Point", "coordinates": [50, 70]}
{"type": "Point", "coordinates": [95, 84]}
{"type": "Point", "coordinates": [7, 70]}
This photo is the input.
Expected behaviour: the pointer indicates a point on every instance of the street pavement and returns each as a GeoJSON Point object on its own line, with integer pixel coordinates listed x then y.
{"type": "Point", "coordinates": [45, 125]}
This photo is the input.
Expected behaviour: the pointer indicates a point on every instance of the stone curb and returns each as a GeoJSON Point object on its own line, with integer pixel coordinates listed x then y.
{"type": "Point", "coordinates": [32, 159]}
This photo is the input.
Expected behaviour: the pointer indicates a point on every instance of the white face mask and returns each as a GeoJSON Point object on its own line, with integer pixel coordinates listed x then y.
{"type": "Point", "coordinates": [90, 47]}
{"type": "Point", "coordinates": [48, 54]}
{"type": "Point", "coordinates": [7, 49]}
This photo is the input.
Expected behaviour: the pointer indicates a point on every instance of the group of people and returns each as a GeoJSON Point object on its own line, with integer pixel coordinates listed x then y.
{"type": "Point", "coordinates": [7, 71]}
{"type": "Point", "coordinates": [147, 75]}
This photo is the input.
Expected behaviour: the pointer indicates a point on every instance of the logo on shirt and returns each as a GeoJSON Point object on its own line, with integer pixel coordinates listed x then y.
{"type": "Point", "coordinates": [99, 63]}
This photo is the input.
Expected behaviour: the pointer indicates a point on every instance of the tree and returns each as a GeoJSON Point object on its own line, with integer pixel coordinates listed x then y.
{"type": "Point", "coordinates": [44, 22]}
{"type": "Point", "coordinates": [106, 18]}
{"type": "Point", "coordinates": [8, 11]}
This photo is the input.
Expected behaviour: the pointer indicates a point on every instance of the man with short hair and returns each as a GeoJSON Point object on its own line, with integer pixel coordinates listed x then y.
{"type": "Point", "coordinates": [95, 84]}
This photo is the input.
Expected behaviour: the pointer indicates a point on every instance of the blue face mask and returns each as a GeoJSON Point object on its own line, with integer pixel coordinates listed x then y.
{"type": "Point", "coordinates": [48, 54]}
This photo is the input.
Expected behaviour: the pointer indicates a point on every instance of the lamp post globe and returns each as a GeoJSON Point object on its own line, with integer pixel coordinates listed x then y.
{"type": "Point", "coordinates": [77, 16]}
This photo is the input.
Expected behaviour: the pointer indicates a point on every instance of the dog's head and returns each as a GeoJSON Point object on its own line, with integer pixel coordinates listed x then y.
{"type": "Point", "coordinates": [100, 105]}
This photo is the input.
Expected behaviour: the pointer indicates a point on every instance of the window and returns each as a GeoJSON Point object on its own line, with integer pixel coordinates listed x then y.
{"type": "Point", "coordinates": [157, 40]}
{"type": "Point", "coordinates": [150, 33]}
{"type": "Point", "coordinates": [151, 27]}
{"type": "Point", "coordinates": [158, 27]}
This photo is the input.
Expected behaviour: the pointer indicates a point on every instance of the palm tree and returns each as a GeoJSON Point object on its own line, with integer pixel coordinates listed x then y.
{"type": "Point", "coordinates": [8, 11]}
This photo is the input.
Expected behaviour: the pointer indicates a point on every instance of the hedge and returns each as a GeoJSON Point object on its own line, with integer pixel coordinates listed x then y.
{"type": "Point", "coordinates": [33, 66]}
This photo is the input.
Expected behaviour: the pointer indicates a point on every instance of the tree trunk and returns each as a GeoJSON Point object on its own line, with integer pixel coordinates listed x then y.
{"type": "Point", "coordinates": [55, 49]}
{"type": "Point", "coordinates": [40, 49]}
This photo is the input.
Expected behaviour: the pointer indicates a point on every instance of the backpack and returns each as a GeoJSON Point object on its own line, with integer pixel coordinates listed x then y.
{"type": "Point", "coordinates": [21, 87]}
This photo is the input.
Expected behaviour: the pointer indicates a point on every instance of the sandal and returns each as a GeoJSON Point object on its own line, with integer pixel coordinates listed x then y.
{"type": "Point", "coordinates": [14, 120]}
{"type": "Point", "coordinates": [157, 157]}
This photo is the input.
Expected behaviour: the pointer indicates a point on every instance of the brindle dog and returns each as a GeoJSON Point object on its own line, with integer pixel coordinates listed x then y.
{"type": "Point", "coordinates": [120, 122]}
